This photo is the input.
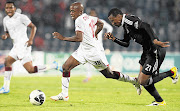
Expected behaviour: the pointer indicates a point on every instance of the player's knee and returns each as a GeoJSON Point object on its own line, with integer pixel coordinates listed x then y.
{"type": "Point", "coordinates": [30, 71]}
{"type": "Point", "coordinates": [142, 82]}
{"type": "Point", "coordinates": [65, 68]}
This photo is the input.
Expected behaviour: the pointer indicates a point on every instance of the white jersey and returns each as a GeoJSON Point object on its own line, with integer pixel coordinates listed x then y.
{"type": "Point", "coordinates": [108, 28]}
{"type": "Point", "coordinates": [17, 27]}
{"type": "Point", "coordinates": [86, 24]}
{"type": "Point", "coordinates": [89, 49]}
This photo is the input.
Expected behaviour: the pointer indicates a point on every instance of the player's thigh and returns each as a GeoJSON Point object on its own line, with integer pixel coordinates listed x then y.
{"type": "Point", "coordinates": [70, 63]}
{"type": "Point", "coordinates": [9, 61]}
{"type": "Point", "coordinates": [143, 78]}
{"type": "Point", "coordinates": [161, 56]}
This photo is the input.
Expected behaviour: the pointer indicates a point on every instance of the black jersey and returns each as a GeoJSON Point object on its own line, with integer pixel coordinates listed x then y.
{"type": "Point", "coordinates": [138, 31]}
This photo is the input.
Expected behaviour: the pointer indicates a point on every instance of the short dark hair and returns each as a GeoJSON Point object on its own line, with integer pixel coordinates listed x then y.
{"type": "Point", "coordinates": [11, 2]}
{"type": "Point", "coordinates": [115, 12]}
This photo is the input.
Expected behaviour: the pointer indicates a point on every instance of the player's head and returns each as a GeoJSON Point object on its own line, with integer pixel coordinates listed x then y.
{"type": "Point", "coordinates": [93, 12]}
{"type": "Point", "coordinates": [10, 8]}
{"type": "Point", "coordinates": [76, 9]}
{"type": "Point", "coordinates": [115, 17]}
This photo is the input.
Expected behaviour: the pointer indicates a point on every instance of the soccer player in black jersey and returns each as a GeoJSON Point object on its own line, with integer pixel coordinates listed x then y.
{"type": "Point", "coordinates": [153, 51]}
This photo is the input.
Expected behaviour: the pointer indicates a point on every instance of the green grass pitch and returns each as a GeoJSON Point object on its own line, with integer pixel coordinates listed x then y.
{"type": "Point", "coordinates": [100, 94]}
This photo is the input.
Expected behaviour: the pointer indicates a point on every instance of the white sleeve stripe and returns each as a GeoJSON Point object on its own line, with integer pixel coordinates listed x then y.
{"type": "Point", "coordinates": [128, 21]}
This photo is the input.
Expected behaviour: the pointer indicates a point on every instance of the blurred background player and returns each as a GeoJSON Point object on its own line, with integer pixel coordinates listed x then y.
{"type": "Point", "coordinates": [153, 51]}
{"type": "Point", "coordinates": [88, 50]}
{"type": "Point", "coordinates": [15, 27]}
{"type": "Point", "coordinates": [106, 27]}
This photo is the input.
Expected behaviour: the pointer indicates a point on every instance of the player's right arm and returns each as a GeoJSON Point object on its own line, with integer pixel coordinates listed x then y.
{"type": "Point", "coordinates": [5, 36]}
{"type": "Point", "coordinates": [99, 27]}
{"type": "Point", "coordinates": [125, 42]}
{"type": "Point", "coordinates": [77, 38]}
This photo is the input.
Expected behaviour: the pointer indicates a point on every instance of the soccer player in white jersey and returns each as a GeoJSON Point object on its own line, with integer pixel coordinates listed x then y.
{"type": "Point", "coordinates": [108, 28]}
{"type": "Point", "coordinates": [15, 27]}
{"type": "Point", "coordinates": [88, 50]}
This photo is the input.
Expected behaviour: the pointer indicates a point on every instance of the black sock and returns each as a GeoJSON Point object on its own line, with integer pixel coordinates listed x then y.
{"type": "Point", "coordinates": [161, 76]}
{"type": "Point", "coordinates": [152, 90]}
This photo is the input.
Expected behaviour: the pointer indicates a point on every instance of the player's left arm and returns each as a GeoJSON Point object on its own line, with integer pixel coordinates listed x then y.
{"type": "Point", "coordinates": [138, 24]}
{"type": "Point", "coordinates": [32, 35]}
{"type": "Point", "coordinates": [99, 27]}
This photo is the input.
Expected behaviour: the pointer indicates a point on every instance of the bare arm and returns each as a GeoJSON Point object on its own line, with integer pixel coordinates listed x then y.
{"type": "Point", "coordinates": [77, 38]}
{"type": "Point", "coordinates": [33, 32]}
{"type": "Point", "coordinates": [99, 27]}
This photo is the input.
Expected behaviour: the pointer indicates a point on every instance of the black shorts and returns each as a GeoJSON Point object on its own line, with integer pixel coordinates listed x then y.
{"type": "Point", "coordinates": [151, 61]}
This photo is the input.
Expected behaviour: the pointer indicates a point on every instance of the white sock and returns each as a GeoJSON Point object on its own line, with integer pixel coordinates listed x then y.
{"type": "Point", "coordinates": [43, 68]}
{"type": "Point", "coordinates": [65, 85]}
{"type": "Point", "coordinates": [7, 79]}
{"type": "Point", "coordinates": [126, 78]}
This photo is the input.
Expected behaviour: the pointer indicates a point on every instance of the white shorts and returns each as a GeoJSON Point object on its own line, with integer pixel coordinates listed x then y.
{"type": "Point", "coordinates": [22, 54]}
{"type": "Point", "coordinates": [95, 57]}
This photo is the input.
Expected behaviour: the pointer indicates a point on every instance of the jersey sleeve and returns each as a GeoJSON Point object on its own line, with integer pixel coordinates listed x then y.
{"type": "Point", "coordinates": [137, 23]}
{"type": "Point", "coordinates": [4, 25]}
{"type": "Point", "coordinates": [25, 20]}
{"type": "Point", "coordinates": [79, 25]}
{"type": "Point", "coordinates": [107, 26]}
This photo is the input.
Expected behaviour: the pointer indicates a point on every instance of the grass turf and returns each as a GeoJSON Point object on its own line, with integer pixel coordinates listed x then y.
{"type": "Point", "coordinates": [100, 94]}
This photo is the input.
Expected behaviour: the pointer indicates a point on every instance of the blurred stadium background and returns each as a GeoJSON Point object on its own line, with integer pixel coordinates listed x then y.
{"type": "Point", "coordinates": [53, 15]}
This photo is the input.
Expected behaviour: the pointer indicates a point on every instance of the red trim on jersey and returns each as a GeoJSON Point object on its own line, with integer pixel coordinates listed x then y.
{"type": "Point", "coordinates": [79, 31]}
{"type": "Point", "coordinates": [8, 68]}
{"type": "Point", "coordinates": [97, 21]}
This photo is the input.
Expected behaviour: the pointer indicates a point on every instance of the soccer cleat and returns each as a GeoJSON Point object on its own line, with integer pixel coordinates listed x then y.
{"type": "Point", "coordinates": [3, 91]}
{"type": "Point", "coordinates": [175, 75]}
{"type": "Point", "coordinates": [60, 96]}
{"type": "Point", "coordinates": [56, 64]}
{"type": "Point", "coordinates": [154, 103]}
{"type": "Point", "coordinates": [86, 79]}
{"type": "Point", "coordinates": [138, 87]}
{"type": "Point", "coordinates": [58, 67]}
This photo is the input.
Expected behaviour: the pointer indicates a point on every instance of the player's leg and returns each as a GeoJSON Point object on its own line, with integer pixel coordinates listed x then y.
{"type": "Point", "coordinates": [7, 74]}
{"type": "Point", "coordinates": [70, 63]}
{"type": "Point", "coordinates": [27, 63]}
{"type": "Point", "coordinates": [143, 79]}
{"type": "Point", "coordinates": [173, 73]}
{"type": "Point", "coordinates": [154, 64]}
{"type": "Point", "coordinates": [88, 73]}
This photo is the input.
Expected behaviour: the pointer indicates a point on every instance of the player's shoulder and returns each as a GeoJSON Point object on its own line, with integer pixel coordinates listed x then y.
{"type": "Point", "coordinates": [132, 17]}
{"type": "Point", "coordinates": [82, 18]}
{"type": "Point", "coordinates": [6, 18]}
{"type": "Point", "coordinates": [102, 20]}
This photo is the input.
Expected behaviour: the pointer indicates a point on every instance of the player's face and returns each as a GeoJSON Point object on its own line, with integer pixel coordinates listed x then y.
{"type": "Point", "coordinates": [10, 9]}
{"type": "Point", "coordinates": [74, 12]}
{"type": "Point", "coordinates": [116, 21]}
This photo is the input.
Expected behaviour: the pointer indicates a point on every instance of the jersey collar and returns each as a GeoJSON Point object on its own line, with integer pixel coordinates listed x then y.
{"type": "Point", "coordinates": [122, 23]}
{"type": "Point", "coordinates": [13, 15]}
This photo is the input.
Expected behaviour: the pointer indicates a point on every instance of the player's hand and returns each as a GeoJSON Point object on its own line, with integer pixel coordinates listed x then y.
{"type": "Point", "coordinates": [57, 35]}
{"type": "Point", "coordinates": [109, 36]}
{"type": "Point", "coordinates": [96, 36]}
{"type": "Point", "coordinates": [4, 37]}
{"type": "Point", "coordinates": [29, 43]}
{"type": "Point", "coordinates": [162, 44]}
